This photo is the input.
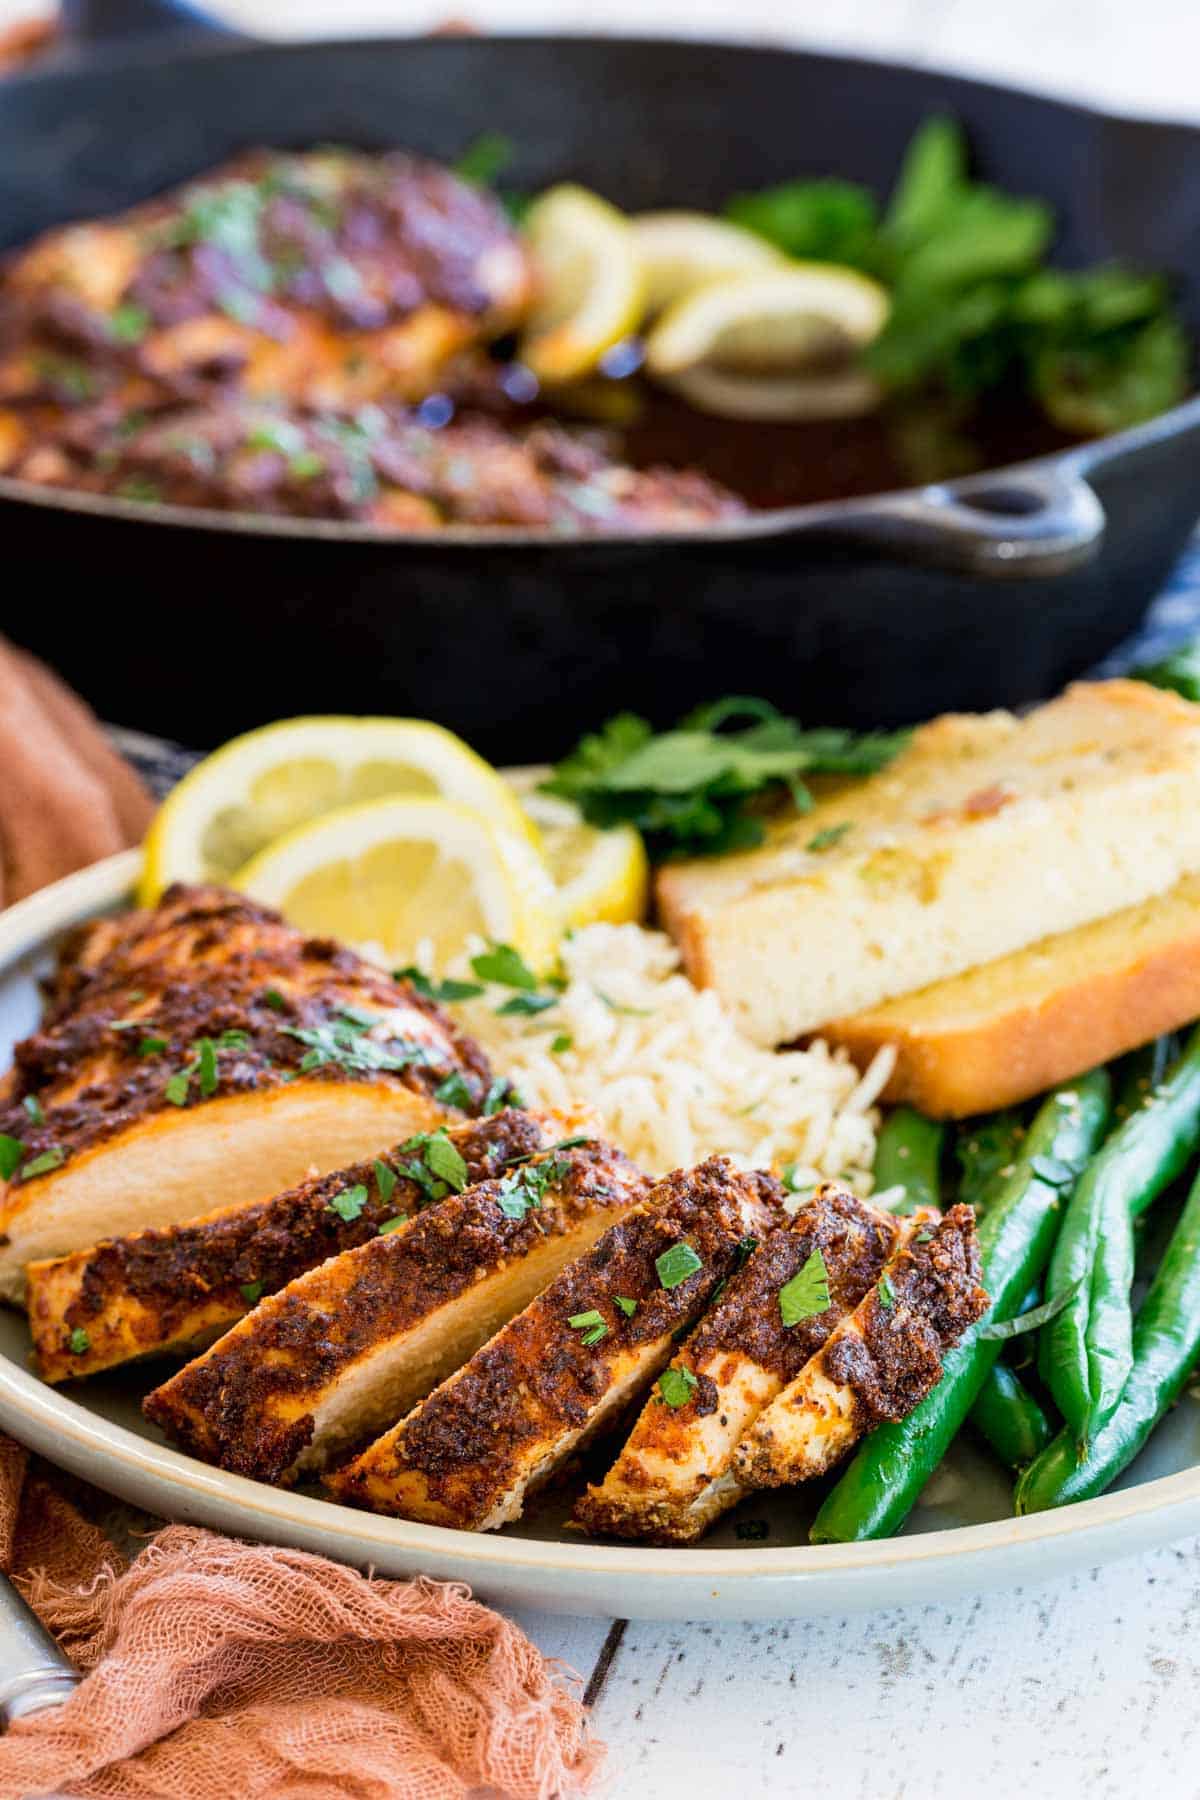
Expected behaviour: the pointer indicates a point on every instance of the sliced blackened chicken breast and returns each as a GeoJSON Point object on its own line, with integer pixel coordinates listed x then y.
{"type": "Point", "coordinates": [568, 1364]}
{"type": "Point", "coordinates": [675, 1475]}
{"type": "Point", "coordinates": [879, 1363]}
{"type": "Point", "coordinates": [347, 1348]}
{"type": "Point", "coordinates": [205, 1051]}
{"type": "Point", "coordinates": [177, 1288]}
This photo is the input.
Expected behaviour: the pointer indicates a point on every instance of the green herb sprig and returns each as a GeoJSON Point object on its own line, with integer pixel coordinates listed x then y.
{"type": "Point", "coordinates": [700, 789]}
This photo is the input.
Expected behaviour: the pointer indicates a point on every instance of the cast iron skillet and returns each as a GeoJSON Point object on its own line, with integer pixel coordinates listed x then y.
{"type": "Point", "coordinates": [865, 612]}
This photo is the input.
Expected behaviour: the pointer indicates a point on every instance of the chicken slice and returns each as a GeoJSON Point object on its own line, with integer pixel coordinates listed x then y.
{"type": "Point", "coordinates": [675, 1475]}
{"type": "Point", "coordinates": [879, 1363]}
{"type": "Point", "coordinates": [568, 1364]}
{"type": "Point", "coordinates": [176, 1289]}
{"type": "Point", "coordinates": [205, 1048]}
{"type": "Point", "coordinates": [348, 1347]}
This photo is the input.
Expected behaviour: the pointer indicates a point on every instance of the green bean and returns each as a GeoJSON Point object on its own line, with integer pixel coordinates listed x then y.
{"type": "Point", "coordinates": [908, 1155]}
{"type": "Point", "coordinates": [1166, 1343]}
{"type": "Point", "coordinates": [1010, 1419]}
{"type": "Point", "coordinates": [884, 1479]}
{"type": "Point", "coordinates": [985, 1148]}
{"type": "Point", "coordinates": [1137, 1075]}
{"type": "Point", "coordinates": [1087, 1351]}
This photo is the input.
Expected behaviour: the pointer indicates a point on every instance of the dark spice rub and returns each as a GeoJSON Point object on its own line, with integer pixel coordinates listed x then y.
{"type": "Point", "coordinates": [348, 1347]}
{"type": "Point", "coordinates": [895, 1357]}
{"type": "Point", "coordinates": [881, 1360]}
{"type": "Point", "coordinates": [208, 964]}
{"type": "Point", "coordinates": [673, 1477]}
{"type": "Point", "coordinates": [170, 1289]}
{"type": "Point", "coordinates": [585, 1347]}
{"type": "Point", "coordinates": [204, 1053]}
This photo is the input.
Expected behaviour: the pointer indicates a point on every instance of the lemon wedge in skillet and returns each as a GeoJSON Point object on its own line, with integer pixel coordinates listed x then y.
{"type": "Point", "coordinates": [261, 786]}
{"type": "Point", "coordinates": [786, 321]}
{"type": "Point", "coordinates": [781, 398]}
{"type": "Point", "coordinates": [680, 251]}
{"type": "Point", "coordinates": [591, 286]}
{"type": "Point", "coordinates": [400, 877]}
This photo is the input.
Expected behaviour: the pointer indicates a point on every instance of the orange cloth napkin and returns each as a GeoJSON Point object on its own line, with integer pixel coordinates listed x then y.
{"type": "Point", "coordinates": [66, 797]}
{"type": "Point", "coordinates": [217, 1667]}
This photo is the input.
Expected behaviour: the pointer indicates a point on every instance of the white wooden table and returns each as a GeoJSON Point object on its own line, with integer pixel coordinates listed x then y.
{"type": "Point", "coordinates": [1091, 1684]}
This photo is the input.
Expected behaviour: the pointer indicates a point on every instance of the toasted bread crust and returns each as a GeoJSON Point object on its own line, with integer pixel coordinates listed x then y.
{"type": "Point", "coordinates": [673, 1476]}
{"type": "Point", "coordinates": [251, 1402]}
{"type": "Point", "coordinates": [164, 1289]}
{"type": "Point", "coordinates": [950, 1066]}
{"type": "Point", "coordinates": [1094, 790]}
{"type": "Point", "coordinates": [468, 1455]}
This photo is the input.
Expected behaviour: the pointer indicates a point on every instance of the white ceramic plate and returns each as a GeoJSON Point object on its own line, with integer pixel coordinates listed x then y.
{"type": "Point", "coordinates": [961, 1537]}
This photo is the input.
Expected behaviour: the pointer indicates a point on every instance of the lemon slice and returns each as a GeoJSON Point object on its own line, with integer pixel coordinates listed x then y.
{"type": "Point", "coordinates": [263, 785]}
{"type": "Point", "coordinates": [680, 251]}
{"type": "Point", "coordinates": [405, 877]}
{"type": "Point", "coordinates": [603, 877]}
{"type": "Point", "coordinates": [786, 399]}
{"type": "Point", "coordinates": [773, 323]}
{"type": "Point", "coordinates": [592, 293]}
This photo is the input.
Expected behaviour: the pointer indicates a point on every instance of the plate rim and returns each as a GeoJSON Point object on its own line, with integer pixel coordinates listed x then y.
{"type": "Point", "coordinates": [640, 1578]}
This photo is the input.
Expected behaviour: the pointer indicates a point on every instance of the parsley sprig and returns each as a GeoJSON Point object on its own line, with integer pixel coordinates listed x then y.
{"type": "Point", "coordinates": [699, 790]}
{"type": "Point", "coordinates": [344, 1042]}
{"type": "Point", "coordinates": [524, 1188]}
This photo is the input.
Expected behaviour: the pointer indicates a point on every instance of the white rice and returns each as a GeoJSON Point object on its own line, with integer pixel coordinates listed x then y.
{"type": "Point", "coordinates": [671, 1077]}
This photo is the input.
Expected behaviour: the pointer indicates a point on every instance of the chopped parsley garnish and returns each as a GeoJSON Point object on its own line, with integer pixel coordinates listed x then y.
{"type": "Point", "coordinates": [741, 1257]}
{"type": "Point", "coordinates": [437, 990]}
{"type": "Point", "coordinates": [251, 1292]}
{"type": "Point", "coordinates": [676, 1386]}
{"type": "Point", "coordinates": [306, 466]}
{"type": "Point", "coordinates": [561, 1044]}
{"type": "Point", "coordinates": [128, 324]}
{"type": "Point", "coordinates": [484, 159]}
{"type": "Point", "coordinates": [42, 1165]}
{"type": "Point", "coordinates": [502, 1093]}
{"type": "Point", "coordinates": [697, 790]}
{"type": "Point", "coordinates": [526, 1005]}
{"type": "Point", "coordinates": [206, 1066]}
{"type": "Point", "coordinates": [887, 1293]}
{"type": "Point", "coordinates": [923, 1237]}
{"type": "Point", "coordinates": [343, 1042]}
{"type": "Point", "coordinates": [506, 967]}
{"type": "Point", "coordinates": [591, 1323]}
{"type": "Point", "coordinates": [151, 1046]}
{"type": "Point", "coordinates": [348, 1205]}
{"type": "Point", "coordinates": [571, 1143]}
{"type": "Point", "coordinates": [790, 1177]}
{"type": "Point", "coordinates": [455, 1091]}
{"type": "Point", "coordinates": [677, 1264]}
{"type": "Point", "coordinates": [526, 1187]}
{"type": "Point", "coordinates": [11, 1152]}
{"type": "Point", "coordinates": [385, 1179]}
{"type": "Point", "coordinates": [832, 834]}
{"type": "Point", "coordinates": [139, 487]}
{"type": "Point", "coordinates": [274, 999]}
{"type": "Point", "coordinates": [807, 1293]}
{"type": "Point", "coordinates": [33, 1107]}
{"type": "Point", "coordinates": [434, 1163]}
{"type": "Point", "coordinates": [177, 1087]}
{"type": "Point", "coordinates": [79, 1343]}
{"type": "Point", "coordinates": [628, 1307]}
{"type": "Point", "coordinates": [390, 1225]}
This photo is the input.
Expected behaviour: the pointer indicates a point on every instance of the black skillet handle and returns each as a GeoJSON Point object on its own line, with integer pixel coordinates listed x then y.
{"type": "Point", "coordinates": [1011, 526]}
{"type": "Point", "coordinates": [93, 23]}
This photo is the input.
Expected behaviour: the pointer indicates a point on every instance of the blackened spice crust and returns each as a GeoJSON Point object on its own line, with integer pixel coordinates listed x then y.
{"type": "Point", "coordinates": [932, 1295]}
{"type": "Point", "coordinates": [229, 1407]}
{"type": "Point", "coordinates": [145, 991]}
